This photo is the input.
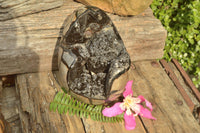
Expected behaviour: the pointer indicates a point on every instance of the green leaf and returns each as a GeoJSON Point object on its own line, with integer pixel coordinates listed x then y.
{"type": "Point", "coordinates": [64, 103]}
{"type": "Point", "coordinates": [191, 40]}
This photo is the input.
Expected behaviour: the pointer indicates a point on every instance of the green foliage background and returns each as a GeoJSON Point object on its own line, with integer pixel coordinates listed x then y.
{"type": "Point", "coordinates": [181, 18]}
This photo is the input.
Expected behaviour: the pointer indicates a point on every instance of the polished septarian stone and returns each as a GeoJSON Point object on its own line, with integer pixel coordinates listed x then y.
{"type": "Point", "coordinates": [95, 56]}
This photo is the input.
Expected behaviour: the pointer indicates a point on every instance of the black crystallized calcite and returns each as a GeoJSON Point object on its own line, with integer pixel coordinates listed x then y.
{"type": "Point", "coordinates": [94, 53]}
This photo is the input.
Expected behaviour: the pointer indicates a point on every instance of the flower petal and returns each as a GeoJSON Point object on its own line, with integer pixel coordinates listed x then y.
{"type": "Point", "coordinates": [128, 112]}
{"type": "Point", "coordinates": [129, 121]}
{"type": "Point", "coordinates": [146, 113]}
{"type": "Point", "coordinates": [148, 104]}
{"type": "Point", "coordinates": [136, 108]}
{"type": "Point", "coordinates": [113, 111]}
{"type": "Point", "coordinates": [128, 89]}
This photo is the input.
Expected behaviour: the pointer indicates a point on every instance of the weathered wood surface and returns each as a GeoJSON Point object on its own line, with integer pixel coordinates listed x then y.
{"type": "Point", "coordinates": [187, 90]}
{"type": "Point", "coordinates": [187, 79]}
{"type": "Point", "coordinates": [27, 44]}
{"type": "Point", "coordinates": [9, 103]}
{"type": "Point", "coordinates": [36, 90]}
{"type": "Point", "coordinates": [102, 127]}
{"type": "Point", "coordinates": [3, 124]}
{"type": "Point", "coordinates": [14, 8]}
{"type": "Point", "coordinates": [170, 109]}
{"type": "Point", "coordinates": [178, 85]}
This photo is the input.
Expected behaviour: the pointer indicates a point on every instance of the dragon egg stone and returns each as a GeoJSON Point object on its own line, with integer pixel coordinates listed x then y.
{"type": "Point", "coordinates": [93, 61]}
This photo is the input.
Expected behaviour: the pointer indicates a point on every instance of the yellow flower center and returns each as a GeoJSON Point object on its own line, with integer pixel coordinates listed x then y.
{"type": "Point", "coordinates": [130, 104]}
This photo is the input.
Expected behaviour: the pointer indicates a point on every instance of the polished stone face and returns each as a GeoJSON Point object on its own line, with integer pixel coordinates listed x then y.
{"type": "Point", "coordinates": [94, 53]}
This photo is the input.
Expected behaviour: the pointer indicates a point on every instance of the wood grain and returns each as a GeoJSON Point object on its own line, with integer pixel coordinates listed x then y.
{"type": "Point", "coordinates": [29, 43]}
{"type": "Point", "coordinates": [178, 85]}
{"type": "Point", "coordinates": [36, 91]}
{"type": "Point", "coordinates": [1, 85]}
{"type": "Point", "coordinates": [170, 109]}
{"type": "Point", "coordinates": [9, 103]}
{"type": "Point", "coordinates": [3, 124]}
{"type": "Point", "coordinates": [102, 127]}
{"type": "Point", "coordinates": [187, 89]}
{"type": "Point", "coordinates": [14, 8]}
{"type": "Point", "coordinates": [187, 79]}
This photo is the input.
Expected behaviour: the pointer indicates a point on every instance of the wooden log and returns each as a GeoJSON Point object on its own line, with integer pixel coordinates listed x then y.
{"type": "Point", "coordinates": [29, 43]}
{"type": "Point", "coordinates": [14, 8]}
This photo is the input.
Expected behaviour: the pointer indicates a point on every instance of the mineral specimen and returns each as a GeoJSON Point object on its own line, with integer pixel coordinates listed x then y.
{"type": "Point", "coordinates": [94, 54]}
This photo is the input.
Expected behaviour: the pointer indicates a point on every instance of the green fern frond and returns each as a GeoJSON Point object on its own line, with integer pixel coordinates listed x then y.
{"type": "Point", "coordinates": [64, 103]}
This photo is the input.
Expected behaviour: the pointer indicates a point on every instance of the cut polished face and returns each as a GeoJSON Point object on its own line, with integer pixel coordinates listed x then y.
{"type": "Point", "coordinates": [94, 53]}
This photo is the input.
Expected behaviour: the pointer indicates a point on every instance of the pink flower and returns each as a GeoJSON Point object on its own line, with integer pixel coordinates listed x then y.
{"type": "Point", "coordinates": [131, 106]}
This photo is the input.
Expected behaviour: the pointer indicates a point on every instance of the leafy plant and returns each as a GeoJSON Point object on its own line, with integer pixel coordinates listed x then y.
{"type": "Point", "coordinates": [181, 19]}
{"type": "Point", "coordinates": [64, 103]}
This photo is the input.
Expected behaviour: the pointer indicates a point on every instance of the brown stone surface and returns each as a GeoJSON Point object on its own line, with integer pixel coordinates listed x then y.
{"type": "Point", "coordinates": [120, 7]}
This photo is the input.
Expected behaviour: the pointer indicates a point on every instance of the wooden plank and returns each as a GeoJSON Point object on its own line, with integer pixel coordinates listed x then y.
{"type": "Point", "coordinates": [4, 128]}
{"type": "Point", "coordinates": [2, 120]}
{"type": "Point", "coordinates": [178, 85]}
{"type": "Point", "coordinates": [36, 91]}
{"type": "Point", "coordinates": [170, 109]}
{"type": "Point", "coordinates": [187, 89]}
{"type": "Point", "coordinates": [29, 43]}
{"type": "Point", "coordinates": [187, 79]}
{"type": "Point", "coordinates": [9, 109]}
{"type": "Point", "coordinates": [28, 84]}
{"type": "Point", "coordinates": [1, 85]}
{"type": "Point", "coordinates": [102, 127]}
{"type": "Point", "coordinates": [14, 8]}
